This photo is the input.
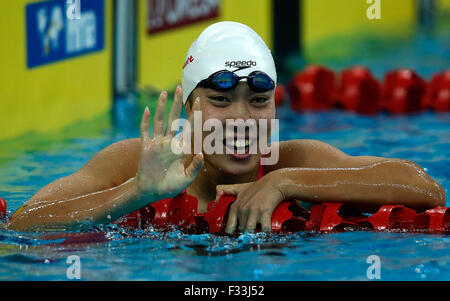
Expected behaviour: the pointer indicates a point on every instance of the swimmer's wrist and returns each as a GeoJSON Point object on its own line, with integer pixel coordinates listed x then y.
{"type": "Point", "coordinates": [281, 179]}
{"type": "Point", "coordinates": [137, 192]}
{"type": "Point", "coordinates": [142, 196]}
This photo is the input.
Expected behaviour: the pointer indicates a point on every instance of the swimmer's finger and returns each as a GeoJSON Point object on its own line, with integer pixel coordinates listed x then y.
{"type": "Point", "coordinates": [232, 221]}
{"type": "Point", "coordinates": [233, 189]}
{"type": "Point", "coordinates": [225, 189]}
{"type": "Point", "coordinates": [185, 135]}
{"type": "Point", "coordinates": [242, 218]}
{"type": "Point", "coordinates": [266, 222]}
{"type": "Point", "coordinates": [158, 122]}
{"type": "Point", "coordinates": [252, 220]}
{"type": "Point", "coordinates": [195, 166]}
{"type": "Point", "coordinates": [144, 125]}
{"type": "Point", "coordinates": [174, 111]}
{"type": "Point", "coordinates": [219, 194]}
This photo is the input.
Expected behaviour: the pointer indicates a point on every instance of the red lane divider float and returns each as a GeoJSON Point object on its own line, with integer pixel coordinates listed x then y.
{"type": "Point", "coordinates": [438, 94]}
{"type": "Point", "coordinates": [312, 89]}
{"type": "Point", "coordinates": [181, 212]}
{"type": "Point", "coordinates": [356, 89]}
{"type": "Point", "coordinates": [403, 91]}
{"type": "Point", "coordinates": [289, 217]}
{"type": "Point", "coordinates": [359, 91]}
{"type": "Point", "coordinates": [2, 207]}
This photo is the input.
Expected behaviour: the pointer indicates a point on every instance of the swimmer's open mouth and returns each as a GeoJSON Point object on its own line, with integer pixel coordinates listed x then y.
{"type": "Point", "coordinates": [239, 146]}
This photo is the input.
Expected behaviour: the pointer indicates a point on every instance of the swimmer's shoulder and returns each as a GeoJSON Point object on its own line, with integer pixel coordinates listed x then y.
{"type": "Point", "coordinates": [307, 153]}
{"type": "Point", "coordinates": [310, 153]}
{"type": "Point", "coordinates": [305, 145]}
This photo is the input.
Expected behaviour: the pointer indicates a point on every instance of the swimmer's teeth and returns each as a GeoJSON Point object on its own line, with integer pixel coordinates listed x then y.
{"type": "Point", "coordinates": [239, 143]}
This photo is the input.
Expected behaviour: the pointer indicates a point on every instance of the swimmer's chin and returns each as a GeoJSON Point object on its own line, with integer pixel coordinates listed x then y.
{"type": "Point", "coordinates": [229, 164]}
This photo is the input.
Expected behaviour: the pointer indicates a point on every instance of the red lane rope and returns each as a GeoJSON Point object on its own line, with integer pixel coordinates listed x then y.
{"type": "Point", "coordinates": [355, 89]}
{"type": "Point", "coordinates": [181, 211]}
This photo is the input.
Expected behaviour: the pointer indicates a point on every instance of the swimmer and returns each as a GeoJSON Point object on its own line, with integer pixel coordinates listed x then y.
{"type": "Point", "coordinates": [228, 73]}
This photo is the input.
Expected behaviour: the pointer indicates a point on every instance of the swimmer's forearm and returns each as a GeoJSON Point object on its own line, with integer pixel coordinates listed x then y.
{"type": "Point", "coordinates": [99, 207]}
{"type": "Point", "coordinates": [389, 182]}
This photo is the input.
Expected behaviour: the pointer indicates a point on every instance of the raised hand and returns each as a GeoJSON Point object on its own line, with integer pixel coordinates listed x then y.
{"type": "Point", "coordinates": [161, 172]}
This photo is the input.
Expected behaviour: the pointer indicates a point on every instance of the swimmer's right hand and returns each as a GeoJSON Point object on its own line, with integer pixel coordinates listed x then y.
{"type": "Point", "coordinates": [161, 172]}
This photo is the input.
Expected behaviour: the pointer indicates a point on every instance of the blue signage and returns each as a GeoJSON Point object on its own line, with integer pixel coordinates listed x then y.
{"type": "Point", "coordinates": [62, 29]}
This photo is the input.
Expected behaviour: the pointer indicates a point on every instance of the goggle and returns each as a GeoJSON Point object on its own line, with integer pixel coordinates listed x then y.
{"type": "Point", "coordinates": [225, 80]}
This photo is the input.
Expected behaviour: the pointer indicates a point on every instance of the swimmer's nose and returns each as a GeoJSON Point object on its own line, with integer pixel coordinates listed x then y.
{"type": "Point", "coordinates": [249, 128]}
{"type": "Point", "coordinates": [242, 110]}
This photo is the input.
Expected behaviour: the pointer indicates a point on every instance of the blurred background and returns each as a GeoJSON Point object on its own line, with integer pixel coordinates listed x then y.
{"type": "Point", "coordinates": [87, 65]}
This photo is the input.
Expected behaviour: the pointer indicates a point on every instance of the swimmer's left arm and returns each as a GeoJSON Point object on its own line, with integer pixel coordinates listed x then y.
{"type": "Point", "coordinates": [315, 171]}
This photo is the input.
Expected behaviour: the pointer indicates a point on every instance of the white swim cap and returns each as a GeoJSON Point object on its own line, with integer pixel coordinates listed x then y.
{"type": "Point", "coordinates": [226, 46]}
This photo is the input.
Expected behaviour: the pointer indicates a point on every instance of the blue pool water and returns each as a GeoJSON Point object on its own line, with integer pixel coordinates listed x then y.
{"type": "Point", "coordinates": [147, 255]}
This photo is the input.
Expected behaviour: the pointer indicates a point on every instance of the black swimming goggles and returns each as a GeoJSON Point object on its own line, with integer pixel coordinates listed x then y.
{"type": "Point", "coordinates": [225, 80]}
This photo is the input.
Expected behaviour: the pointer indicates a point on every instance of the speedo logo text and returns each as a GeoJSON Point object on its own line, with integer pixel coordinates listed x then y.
{"type": "Point", "coordinates": [239, 64]}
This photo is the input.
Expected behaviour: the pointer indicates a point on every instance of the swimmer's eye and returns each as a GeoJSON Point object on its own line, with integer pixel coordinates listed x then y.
{"type": "Point", "coordinates": [259, 100]}
{"type": "Point", "coordinates": [219, 99]}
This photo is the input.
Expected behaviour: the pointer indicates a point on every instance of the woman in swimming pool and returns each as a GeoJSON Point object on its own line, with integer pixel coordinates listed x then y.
{"type": "Point", "coordinates": [229, 73]}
